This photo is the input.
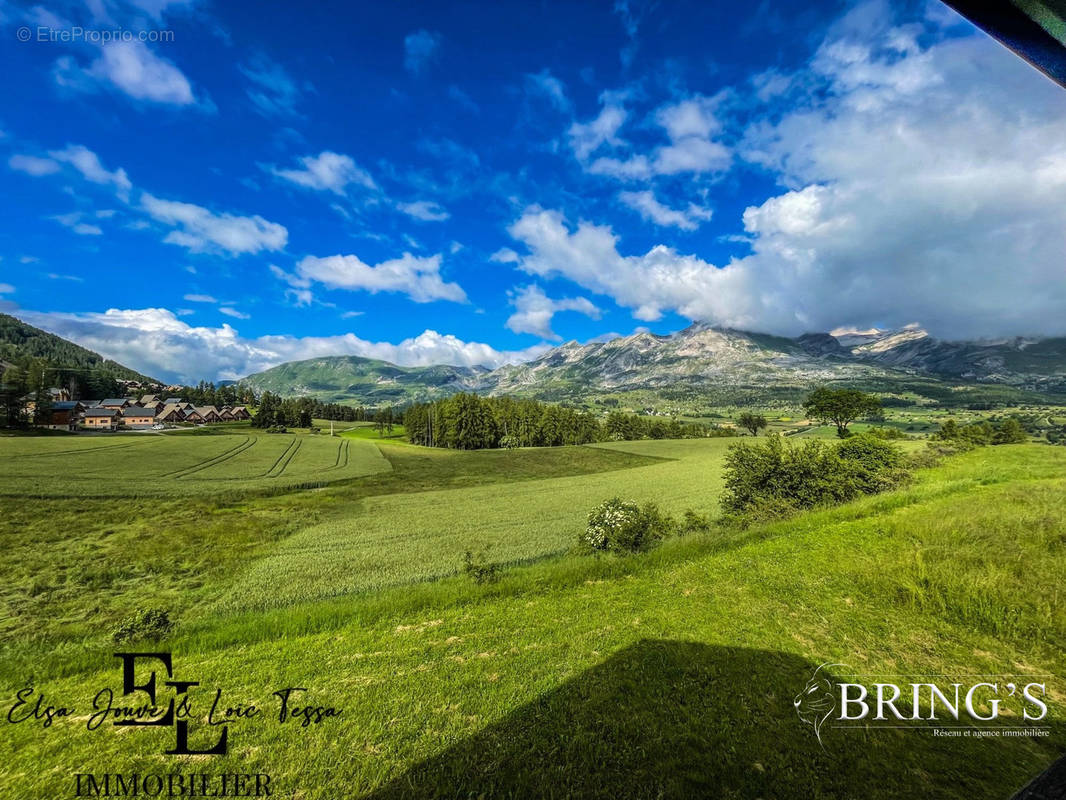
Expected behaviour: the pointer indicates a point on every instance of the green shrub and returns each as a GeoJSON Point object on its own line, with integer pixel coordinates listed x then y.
{"type": "Point", "coordinates": [691, 522]}
{"type": "Point", "coordinates": [887, 433]}
{"type": "Point", "coordinates": [478, 568]}
{"type": "Point", "coordinates": [776, 479]}
{"type": "Point", "coordinates": [623, 526]}
{"type": "Point", "coordinates": [146, 623]}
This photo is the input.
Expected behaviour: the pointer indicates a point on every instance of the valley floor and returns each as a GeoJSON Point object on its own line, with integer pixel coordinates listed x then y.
{"type": "Point", "coordinates": [669, 674]}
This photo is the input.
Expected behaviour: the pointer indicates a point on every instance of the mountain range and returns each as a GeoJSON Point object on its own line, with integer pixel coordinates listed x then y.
{"type": "Point", "coordinates": [719, 365]}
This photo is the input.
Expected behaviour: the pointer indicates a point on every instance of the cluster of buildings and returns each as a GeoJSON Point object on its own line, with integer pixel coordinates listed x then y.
{"type": "Point", "coordinates": [115, 413]}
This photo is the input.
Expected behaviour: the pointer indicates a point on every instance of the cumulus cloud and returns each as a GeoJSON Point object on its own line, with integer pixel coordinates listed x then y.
{"type": "Point", "coordinates": [201, 230]}
{"type": "Point", "coordinates": [651, 209]}
{"type": "Point", "coordinates": [328, 171]}
{"type": "Point", "coordinates": [155, 341]}
{"type": "Point", "coordinates": [923, 175]}
{"type": "Point", "coordinates": [419, 49]}
{"type": "Point", "coordinates": [534, 311]}
{"type": "Point", "coordinates": [424, 210]}
{"type": "Point", "coordinates": [587, 137]}
{"type": "Point", "coordinates": [659, 280]}
{"type": "Point", "coordinates": [690, 126]}
{"type": "Point", "coordinates": [133, 68]}
{"type": "Point", "coordinates": [417, 277]}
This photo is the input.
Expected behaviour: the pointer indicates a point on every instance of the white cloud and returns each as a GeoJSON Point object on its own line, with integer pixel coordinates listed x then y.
{"type": "Point", "coordinates": [133, 68]}
{"type": "Point", "coordinates": [690, 126]}
{"type": "Point", "coordinates": [925, 179]}
{"type": "Point", "coordinates": [88, 164]}
{"type": "Point", "coordinates": [425, 210]}
{"type": "Point", "coordinates": [33, 165]}
{"type": "Point", "coordinates": [534, 311]}
{"type": "Point", "coordinates": [546, 84]}
{"type": "Point", "coordinates": [328, 171]}
{"type": "Point", "coordinates": [657, 281]}
{"type": "Point", "coordinates": [73, 221]}
{"type": "Point", "coordinates": [274, 92]}
{"type": "Point", "coordinates": [651, 209]}
{"type": "Point", "coordinates": [6, 288]}
{"type": "Point", "coordinates": [201, 230]}
{"type": "Point", "coordinates": [419, 278]}
{"type": "Point", "coordinates": [298, 291]}
{"type": "Point", "coordinates": [587, 137]}
{"type": "Point", "coordinates": [232, 312]}
{"type": "Point", "coordinates": [420, 48]}
{"type": "Point", "coordinates": [505, 255]}
{"type": "Point", "coordinates": [155, 341]}
{"type": "Point", "coordinates": [200, 298]}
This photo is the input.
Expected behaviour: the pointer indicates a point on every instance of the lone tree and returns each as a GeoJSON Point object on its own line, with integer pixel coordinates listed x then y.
{"type": "Point", "coordinates": [840, 407]}
{"type": "Point", "coordinates": [751, 422]}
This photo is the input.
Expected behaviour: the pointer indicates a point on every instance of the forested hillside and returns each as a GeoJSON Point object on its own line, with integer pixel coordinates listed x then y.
{"type": "Point", "coordinates": [19, 341]}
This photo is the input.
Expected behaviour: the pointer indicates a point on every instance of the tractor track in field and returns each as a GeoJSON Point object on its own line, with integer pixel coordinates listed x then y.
{"type": "Point", "coordinates": [249, 441]}
{"type": "Point", "coordinates": [286, 459]}
{"type": "Point", "coordinates": [342, 457]}
{"type": "Point", "coordinates": [284, 453]}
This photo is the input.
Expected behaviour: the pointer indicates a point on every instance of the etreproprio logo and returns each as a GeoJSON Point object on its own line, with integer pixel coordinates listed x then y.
{"type": "Point", "coordinates": [971, 706]}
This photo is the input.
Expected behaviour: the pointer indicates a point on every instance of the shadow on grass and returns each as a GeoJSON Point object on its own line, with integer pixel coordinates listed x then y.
{"type": "Point", "coordinates": [668, 719]}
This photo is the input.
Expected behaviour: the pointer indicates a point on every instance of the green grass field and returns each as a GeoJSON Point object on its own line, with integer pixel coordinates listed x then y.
{"type": "Point", "coordinates": [183, 463]}
{"type": "Point", "coordinates": [668, 674]}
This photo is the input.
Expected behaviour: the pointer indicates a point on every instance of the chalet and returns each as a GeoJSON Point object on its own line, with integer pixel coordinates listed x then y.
{"type": "Point", "coordinates": [209, 414]}
{"type": "Point", "coordinates": [148, 400]}
{"type": "Point", "coordinates": [171, 413]}
{"type": "Point", "coordinates": [115, 403]}
{"type": "Point", "coordinates": [59, 395]}
{"type": "Point", "coordinates": [137, 417]}
{"type": "Point", "coordinates": [155, 406]}
{"type": "Point", "coordinates": [101, 419]}
{"type": "Point", "coordinates": [192, 415]}
{"type": "Point", "coordinates": [173, 401]}
{"type": "Point", "coordinates": [64, 416]}
{"type": "Point", "coordinates": [241, 413]}
{"type": "Point", "coordinates": [226, 414]}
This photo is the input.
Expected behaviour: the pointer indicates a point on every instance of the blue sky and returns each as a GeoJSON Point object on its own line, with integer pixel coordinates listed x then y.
{"type": "Point", "coordinates": [235, 185]}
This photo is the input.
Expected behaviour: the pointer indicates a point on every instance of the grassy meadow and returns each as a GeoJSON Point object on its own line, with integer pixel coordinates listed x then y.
{"type": "Point", "coordinates": [667, 674]}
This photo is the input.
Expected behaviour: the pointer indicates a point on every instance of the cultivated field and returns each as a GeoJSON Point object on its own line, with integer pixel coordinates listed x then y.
{"type": "Point", "coordinates": [179, 463]}
{"type": "Point", "coordinates": [665, 674]}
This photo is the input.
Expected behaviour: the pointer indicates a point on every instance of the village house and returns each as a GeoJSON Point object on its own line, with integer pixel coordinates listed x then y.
{"type": "Point", "coordinates": [64, 415]}
{"type": "Point", "coordinates": [137, 417]}
{"type": "Point", "coordinates": [241, 413]}
{"type": "Point", "coordinates": [115, 403]}
{"type": "Point", "coordinates": [192, 415]}
{"type": "Point", "coordinates": [148, 400]}
{"type": "Point", "coordinates": [101, 419]}
{"type": "Point", "coordinates": [171, 413]}
{"type": "Point", "coordinates": [209, 414]}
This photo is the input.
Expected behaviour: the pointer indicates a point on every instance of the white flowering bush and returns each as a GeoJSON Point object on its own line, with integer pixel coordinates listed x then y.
{"type": "Point", "coordinates": [622, 525]}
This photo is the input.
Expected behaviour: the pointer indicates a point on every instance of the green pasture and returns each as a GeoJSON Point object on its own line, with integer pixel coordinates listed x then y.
{"type": "Point", "coordinates": [409, 537]}
{"type": "Point", "coordinates": [147, 464]}
{"type": "Point", "coordinates": [669, 674]}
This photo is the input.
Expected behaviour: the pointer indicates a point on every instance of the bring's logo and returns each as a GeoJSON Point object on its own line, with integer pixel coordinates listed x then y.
{"type": "Point", "coordinates": [979, 705]}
